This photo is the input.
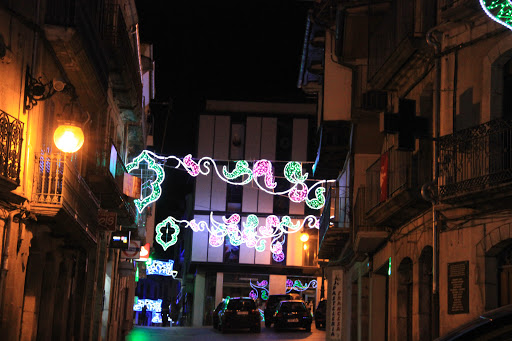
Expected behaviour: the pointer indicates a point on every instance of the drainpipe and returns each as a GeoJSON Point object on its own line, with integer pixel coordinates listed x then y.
{"type": "Point", "coordinates": [432, 196]}
{"type": "Point", "coordinates": [4, 265]}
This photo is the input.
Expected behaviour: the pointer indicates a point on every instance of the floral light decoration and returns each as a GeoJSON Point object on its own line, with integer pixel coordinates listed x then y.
{"type": "Point", "coordinates": [151, 305]}
{"type": "Point", "coordinates": [298, 286]}
{"type": "Point", "coordinates": [155, 267]}
{"type": "Point", "coordinates": [241, 175]}
{"type": "Point", "coordinates": [499, 11]}
{"type": "Point", "coordinates": [156, 188]}
{"type": "Point", "coordinates": [252, 235]}
{"type": "Point", "coordinates": [259, 286]}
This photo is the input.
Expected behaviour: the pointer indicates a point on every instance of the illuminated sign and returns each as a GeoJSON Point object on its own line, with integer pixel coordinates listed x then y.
{"type": "Point", "coordinates": [156, 267]}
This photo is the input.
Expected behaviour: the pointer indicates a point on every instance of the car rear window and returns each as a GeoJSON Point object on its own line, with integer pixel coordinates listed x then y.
{"type": "Point", "coordinates": [241, 305]}
{"type": "Point", "coordinates": [274, 300]}
{"type": "Point", "coordinates": [287, 307]}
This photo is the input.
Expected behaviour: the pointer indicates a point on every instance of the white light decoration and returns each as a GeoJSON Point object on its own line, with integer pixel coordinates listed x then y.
{"type": "Point", "coordinates": [499, 11]}
{"type": "Point", "coordinates": [151, 305]}
{"type": "Point", "coordinates": [313, 195]}
{"type": "Point", "coordinates": [252, 235]}
{"type": "Point", "coordinates": [298, 286]}
{"type": "Point", "coordinates": [156, 267]}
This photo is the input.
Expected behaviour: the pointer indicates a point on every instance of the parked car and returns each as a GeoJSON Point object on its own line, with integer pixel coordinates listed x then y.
{"type": "Point", "coordinates": [292, 314]}
{"type": "Point", "coordinates": [215, 314]}
{"type": "Point", "coordinates": [270, 307]}
{"type": "Point", "coordinates": [320, 314]}
{"type": "Point", "coordinates": [239, 313]}
{"type": "Point", "coordinates": [495, 325]}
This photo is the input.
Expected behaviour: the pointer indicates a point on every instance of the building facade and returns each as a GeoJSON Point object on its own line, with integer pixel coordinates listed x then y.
{"type": "Point", "coordinates": [420, 238]}
{"type": "Point", "coordinates": [276, 132]}
{"type": "Point", "coordinates": [64, 61]}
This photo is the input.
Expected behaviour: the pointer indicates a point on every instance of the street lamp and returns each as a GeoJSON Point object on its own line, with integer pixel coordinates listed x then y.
{"type": "Point", "coordinates": [304, 237]}
{"type": "Point", "coordinates": [69, 136]}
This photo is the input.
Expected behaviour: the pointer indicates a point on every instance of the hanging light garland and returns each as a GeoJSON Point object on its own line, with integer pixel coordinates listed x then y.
{"type": "Point", "coordinates": [499, 11]}
{"type": "Point", "coordinates": [241, 175]}
{"type": "Point", "coordinates": [252, 235]}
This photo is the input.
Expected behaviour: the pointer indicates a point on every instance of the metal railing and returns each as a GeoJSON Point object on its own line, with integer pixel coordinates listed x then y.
{"type": "Point", "coordinates": [336, 213]}
{"type": "Point", "coordinates": [359, 216]}
{"type": "Point", "coordinates": [57, 181]}
{"type": "Point", "coordinates": [11, 140]}
{"type": "Point", "coordinates": [476, 158]}
{"type": "Point", "coordinates": [406, 170]}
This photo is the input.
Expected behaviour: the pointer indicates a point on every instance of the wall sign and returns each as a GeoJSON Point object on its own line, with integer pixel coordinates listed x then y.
{"type": "Point", "coordinates": [458, 290]}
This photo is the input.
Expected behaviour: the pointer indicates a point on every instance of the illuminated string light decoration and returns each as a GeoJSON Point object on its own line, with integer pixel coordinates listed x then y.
{"type": "Point", "coordinates": [298, 286]}
{"type": "Point", "coordinates": [499, 11]}
{"type": "Point", "coordinates": [278, 257]}
{"type": "Point", "coordinates": [241, 175]}
{"type": "Point", "coordinates": [252, 234]}
{"type": "Point", "coordinates": [170, 238]}
{"type": "Point", "coordinates": [151, 305]}
{"type": "Point", "coordinates": [259, 286]}
{"type": "Point", "coordinates": [156, 267]}
{"type": "Point", "coordinates": [156, 188]}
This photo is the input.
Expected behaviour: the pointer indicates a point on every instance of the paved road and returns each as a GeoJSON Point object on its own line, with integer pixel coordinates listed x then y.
{"type": "Point", "coordinates": [208, 333]}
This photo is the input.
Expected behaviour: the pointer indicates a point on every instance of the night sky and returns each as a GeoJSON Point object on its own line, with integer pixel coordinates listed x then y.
{"type": "Point", "coordinates": [225, 50]}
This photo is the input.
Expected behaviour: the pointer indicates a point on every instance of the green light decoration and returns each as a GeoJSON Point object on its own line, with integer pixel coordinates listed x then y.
{"type": "Point", "coordinates": [174, 236]}
{"type": "Point", "coordinates": [241, 169]}
{"type": "Point", "coordinates": [499, 11]}
{"type": "Point", "coordinates": [319, 200]}
{"type": "Point", "coordinates": [156, 188]}
{"type": "Point", "coordinates": [389, 267]}
{"type": "Point", "coordinates": [293, 173]}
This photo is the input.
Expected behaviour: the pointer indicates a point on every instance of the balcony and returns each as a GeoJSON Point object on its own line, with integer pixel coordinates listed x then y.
{"type": "Point", "coordinates": [61, 195]}
{"type": "Point", "coordinates": [75, 29]}
{"type": "Point", "coordinates": [106, 181]}
{"type": "Point", "coordinates": [475, 166]}
{"type": "Point", "coordinates": [400, 200]}
{"type": "Point", "coordinates": [367, 237]}
{"type": "Point", "coordinates": [334, 223]}
{"type": "Point", "coordinates": [124, 65]}
{"type": "Point", "coordinates": [11, 140]}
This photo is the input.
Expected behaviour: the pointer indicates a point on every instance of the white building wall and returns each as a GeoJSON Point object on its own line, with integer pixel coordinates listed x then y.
{"type": "Point", "coordinates": [276, 284]}
{"type": "Point", "coordinates": [197, 312]}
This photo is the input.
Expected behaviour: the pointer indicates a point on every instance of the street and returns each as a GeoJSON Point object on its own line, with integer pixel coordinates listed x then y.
{"type": "Point", "coordinates": [208, 333]}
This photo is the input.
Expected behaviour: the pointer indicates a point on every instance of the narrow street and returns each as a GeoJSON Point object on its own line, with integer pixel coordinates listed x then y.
{"type": "Point", "coordinates": [208, 333]}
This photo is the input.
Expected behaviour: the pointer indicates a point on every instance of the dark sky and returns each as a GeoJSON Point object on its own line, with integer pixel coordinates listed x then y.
{"type": "Point", "coordinates": [225, 49]}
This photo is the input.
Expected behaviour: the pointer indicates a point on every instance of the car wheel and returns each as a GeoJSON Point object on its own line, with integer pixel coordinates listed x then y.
{"type": "Point", "coordinates": [256, 329]}
{"type": "Point", "coordinates": [222, 328]}
{"type": "Point", "coordinates": [317, 325]}
{"type": "Point", "coordinates": [308, 328]}
{"type": "Point", "coordinates": [268, 324]}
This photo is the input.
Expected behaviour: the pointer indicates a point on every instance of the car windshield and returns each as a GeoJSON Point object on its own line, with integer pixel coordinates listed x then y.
{"type": "Point", "coordinates": [241, 305]}
{"type": "Point", "coordinates": [274, 300]}
{"type": "Point", "coordinates": [287, 307]}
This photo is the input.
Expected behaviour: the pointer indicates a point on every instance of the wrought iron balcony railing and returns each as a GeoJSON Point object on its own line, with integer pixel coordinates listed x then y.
{"type": "Point", "coordinates": [58, 186]}
{"type": "Point", "coordinates": [475, 159]}
{"type": "Point", "coordinates": [334, 222]}
{"type": "Point", "coordinates": [11, 139]}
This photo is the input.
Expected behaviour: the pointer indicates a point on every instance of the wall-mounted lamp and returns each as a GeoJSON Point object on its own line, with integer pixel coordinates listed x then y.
{"type": "Point", "coordinates": [69, 136]}
{"type": "Point", "coordinates": [36, 90]}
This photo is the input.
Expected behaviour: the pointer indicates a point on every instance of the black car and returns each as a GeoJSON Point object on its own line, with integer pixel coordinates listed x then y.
{"type": "Point", "coordinates": [215, 314]}
{"type": "Point", "coordinates": [320, 314]}
{"type": "Point", "coordinates": [292, 314]}
{"type": "Point", "coordinates": [270, 307]}
{"type": "Point", "coordinates": [495, 325]}
{"type": "Point", "coordinates": [239, 313]}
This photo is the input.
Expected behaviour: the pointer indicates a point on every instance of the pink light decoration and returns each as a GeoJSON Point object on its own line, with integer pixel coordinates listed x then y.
{"type": "Point", "coordinates": [277, 248]}
{"type": "Point", "coordinates": [233, 219]}
{"type": "Point", "coordinates": [190, 165]}
{"type": "Point", "coordinates": [216, 240]}
{"type": "Point", "coordinates": [194, 226]}
{"type": "Point", "coordinates": [297, 195]}
{"type": "Point", "coordinates": [272, 221]}
{"type": "Point", "coordinates": [278, 257]}
{"type": "Point", "coordinates": [264, 167]}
